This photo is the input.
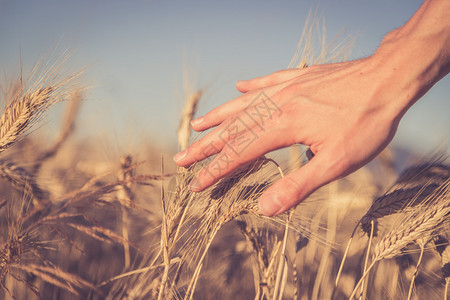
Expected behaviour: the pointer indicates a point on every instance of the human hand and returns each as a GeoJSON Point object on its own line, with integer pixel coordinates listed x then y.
{"type": "Point", "coordinates": [340, 110]}
{"type": "Point", "coordinates": [346, 113]}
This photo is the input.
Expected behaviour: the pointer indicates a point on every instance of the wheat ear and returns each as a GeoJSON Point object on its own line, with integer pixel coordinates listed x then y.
{"type": "Point", "coordinates": [31, 99]}
{"type": "Point", "coordinates": [125, 193]}
{"type": "Point", "coordinates": [22, 181]}
{"type": "Point", "coordinates": [421, 221]}
{"type": "Point", "coordinates": [413, 187]}
{"type": "Point", "coordinates": [189, 109]}
{"type": "Point", "coordinates": [442, 247]}
{"type": "Point", "coordinates": [68, 127]}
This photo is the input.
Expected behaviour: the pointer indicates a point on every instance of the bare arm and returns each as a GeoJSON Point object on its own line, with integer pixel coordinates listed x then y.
{"type": "Point", "coordinates": [418, 53]}
{"type": "Point", "coordinates": [347, 112]}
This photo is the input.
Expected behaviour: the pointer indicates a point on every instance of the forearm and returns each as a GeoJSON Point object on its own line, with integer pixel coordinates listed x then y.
{"type": "Point", "coordinates": [417, 55]}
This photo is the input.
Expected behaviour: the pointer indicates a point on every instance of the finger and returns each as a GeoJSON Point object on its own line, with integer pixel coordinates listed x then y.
{"type": "Point", "coordinates": [243, 103]}
{"type": "Point", "coordinates": [240, 150]}
{"type": "Point", "coordinates": [278, 77]}
{"type": "Point", "coordinates": [297, 186]}
{"type": "Point", "coordinates": [207, 146]}
{"type": "Point", "coordinates": [211, 144]}
{"type": "Point", "coordinates": [217, 115]}
{"type": "Point", "coordinates": [254, 116]}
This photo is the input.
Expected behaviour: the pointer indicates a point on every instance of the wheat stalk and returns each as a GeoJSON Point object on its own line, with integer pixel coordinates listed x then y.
{"type": "Point", "coordinates": [21, 113]}
{"type": "Point", "coordinates": [22, 250]}
{"type": "Point", "coordinates": [189, 109]}
{"type": "Point", "coordinates": [67, 129]}
{"type": "Point", "coordinates": [125, 193]}
{"type": "Point", "coordinates": [265, 246]}
{"type": "Point", "coordinates": [421, 221]}
{"type": "Point", "coordinates": [233, 196]}
{"type": "Point", "coordinates": [174, 216]}
{"type": "Point", "coordinates": [419, 261]}
{"type": "Point", "coordinates": [31, 98]}
{"type": "Point", "coordinates": [442, 247]}
{"type": "Point", "coordinates": [413, 187]}
{"type": "Point", "coordinates": [55, 276]}
{"type": "Point", "coordinates": [307, 55]}
{"type": "Point", "coordinates": [24, 182]}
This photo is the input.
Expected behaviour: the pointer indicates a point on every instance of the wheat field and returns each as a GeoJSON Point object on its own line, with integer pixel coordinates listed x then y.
{"type": "Point", "coordinates": [77, 226]}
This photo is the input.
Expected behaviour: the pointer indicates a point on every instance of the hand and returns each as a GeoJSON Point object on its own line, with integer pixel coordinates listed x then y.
{"type": "Point", "coordinates": [340, 110]}
{"type": "Point", "coordinates": [347, 113]}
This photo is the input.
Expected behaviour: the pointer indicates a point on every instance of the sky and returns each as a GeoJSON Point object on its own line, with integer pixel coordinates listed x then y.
{"type": "Point", "coordinates": [136, 53]}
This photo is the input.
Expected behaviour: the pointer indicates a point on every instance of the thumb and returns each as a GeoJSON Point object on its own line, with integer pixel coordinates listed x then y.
{"type": "Point", "coordinates": [295, 187]}
{"type": "Point", "coordinates": [260, 82]}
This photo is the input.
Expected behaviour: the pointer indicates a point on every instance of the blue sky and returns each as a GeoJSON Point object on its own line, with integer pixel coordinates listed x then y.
{"type": "Point", "coordinates": [136, 52]}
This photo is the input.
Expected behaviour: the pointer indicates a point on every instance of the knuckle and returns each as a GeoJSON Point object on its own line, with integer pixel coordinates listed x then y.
{"type": "Point", "coordinates": [231, 153]}
{"type": "Point", "coordinates": [204, 148]}
{"type": "Point", "coordinates": [218, 167]}
{"type": "Point", "coordinates": [197, 147]}
{"type": "Point", "coordinates": [292, 187]}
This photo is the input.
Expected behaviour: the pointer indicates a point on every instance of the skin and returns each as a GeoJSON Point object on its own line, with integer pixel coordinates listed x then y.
{"type": "Point", "coordinates": [347, 113]}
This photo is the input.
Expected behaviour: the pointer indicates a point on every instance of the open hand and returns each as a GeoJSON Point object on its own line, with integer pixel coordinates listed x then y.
{"type": "Point", "coordinates": [346, 113]}
{"type": "Point", "coordinates": [335, 109]}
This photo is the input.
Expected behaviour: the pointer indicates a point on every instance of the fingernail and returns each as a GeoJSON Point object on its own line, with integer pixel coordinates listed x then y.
{"type": "Point", "coordinates": [269, 205]}
{"type": "Point", "coordinates": [197, 121]}
{"type": "Point", "coordinates": [195, 185]}
{"type": "Point", "coordinates": [179, 156]}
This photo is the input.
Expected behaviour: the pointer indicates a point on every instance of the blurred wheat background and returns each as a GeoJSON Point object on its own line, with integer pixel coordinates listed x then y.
{"type": "Point", "coordinates": [92, 206]}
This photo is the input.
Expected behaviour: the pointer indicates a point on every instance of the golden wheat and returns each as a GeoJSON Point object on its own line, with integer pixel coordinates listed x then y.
{"type": "Point", "coordinates": [420, 223]}
{"type": "Point", "coordinates": [114, 230]}
{"type": "Point", "coordinates": [413, 186]}
{"type": "Point", "coordinates": [24, 182]}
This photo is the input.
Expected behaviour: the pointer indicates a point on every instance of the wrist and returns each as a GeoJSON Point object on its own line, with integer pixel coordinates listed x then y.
{"type": "Point", "coordinates": [410, 64]}
{"type": "Point", "coordinates": [412, 58]}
